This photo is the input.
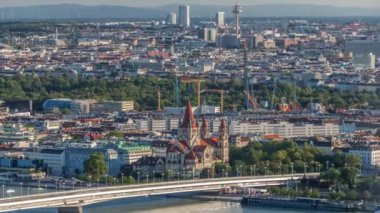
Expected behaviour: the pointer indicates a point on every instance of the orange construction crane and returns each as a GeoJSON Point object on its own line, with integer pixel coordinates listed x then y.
{"type": "Point", "coordinates": [198, 82]}
{"type": "Point", "coordinates": [252, 101]}
{"type": "Point", "coordinates": [221, 97]}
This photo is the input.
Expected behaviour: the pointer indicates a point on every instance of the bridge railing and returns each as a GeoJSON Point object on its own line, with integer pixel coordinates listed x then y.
{"type": "Point", "coordinates": [155, 184]}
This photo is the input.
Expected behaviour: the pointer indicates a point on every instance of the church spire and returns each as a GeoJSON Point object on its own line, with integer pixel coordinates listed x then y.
{"type": "Point", "coordinates": [188, 118]}
{"type": "Point", "coordinates": [222, 125]}
{"type": "Point", "coordinates": [204, 131]}
{"type": "Point", "coordinates": [223, 142]}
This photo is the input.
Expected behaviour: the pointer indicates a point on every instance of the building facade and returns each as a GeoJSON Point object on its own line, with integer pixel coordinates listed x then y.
{"type": "Point", "coordinates": [284, 129]}
{"type": "Point", "coordinates": [172, 18]}
{"type": "Point", "coordinates": [184, 16]}
{"type": "Point", "coordinates": [220, 19]}
{"type": "Point", "coordinates": [369, 155]}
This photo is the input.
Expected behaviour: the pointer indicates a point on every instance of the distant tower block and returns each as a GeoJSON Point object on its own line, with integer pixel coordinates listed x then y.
{"type": "Point", "coordinates": [219, 19]}
{"type": "Point", "coordinates": [56, 34]}
{"type": "Point", "coordinates": [184, 16]}
{"type": "Point", "coordinates": [172, 18]}
{"type": "Point", "coordinates": [237, 11]}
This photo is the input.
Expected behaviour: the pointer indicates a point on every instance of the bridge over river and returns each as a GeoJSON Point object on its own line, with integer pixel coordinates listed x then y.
{"type": "Point", "coordinates": [72, 201]}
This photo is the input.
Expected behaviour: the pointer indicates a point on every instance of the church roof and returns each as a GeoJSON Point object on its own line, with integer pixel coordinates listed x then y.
{"type": "Point", "coordinates": [222, 124]}
{"type": "Point", "coordinates": [191, 155]}
{"type": "Point", "coordinates": [175, 148]}
{"type": "Point", "coordinates": [199, 148]}
{"type": "Point", "coordinates": [209, 142]}
{"type": "Point", "coordinates": [204, 123]}
{"type": "Point", "coordinates": [188, 118]}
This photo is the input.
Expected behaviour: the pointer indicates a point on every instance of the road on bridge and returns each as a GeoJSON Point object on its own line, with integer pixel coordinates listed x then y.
{"type": "Point", "coordinates": [95, 195]}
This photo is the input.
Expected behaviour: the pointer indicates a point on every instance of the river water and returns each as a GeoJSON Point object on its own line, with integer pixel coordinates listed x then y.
{"type": "Point", "coordinates": [162, 204]}
{"type": "Point", "coordinates": [156, 204]}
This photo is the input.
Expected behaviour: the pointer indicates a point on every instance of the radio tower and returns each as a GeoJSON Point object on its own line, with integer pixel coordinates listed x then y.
{"type": "Point", "coordinates": [246, 80]}
{"type": "Point", "coordinates": [237, 11]}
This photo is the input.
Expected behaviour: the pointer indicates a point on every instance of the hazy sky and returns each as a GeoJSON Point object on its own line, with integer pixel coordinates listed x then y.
{"type": "Point", "coordinates": [343, 3]}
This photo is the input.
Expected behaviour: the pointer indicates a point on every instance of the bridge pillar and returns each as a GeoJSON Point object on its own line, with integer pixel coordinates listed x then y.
{"type": "Point", "coordinates": [71, 209]}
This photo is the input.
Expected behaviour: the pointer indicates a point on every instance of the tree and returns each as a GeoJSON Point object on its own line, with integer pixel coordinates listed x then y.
{"type": "Point", "coordinates": [332, 176]}
{"type": "Point", "coordinates": [315, 193]}
{"type": "Point", "coordinates": [366, 195]}
{"type": "Point", "coordinates": [352, 161]}
{"type": "Point", "coordinates": [220, 168]}
{"type": "Point", "coordinates": [352, 195]}
{"type": "Point", "coordinates": [376, 188]}
{"type": "Point", "coordinates": [337, 195]}
{"type": "Point", "coordinates": [348, 176]}
{"type": "Point", "coordinates": [95, 167]}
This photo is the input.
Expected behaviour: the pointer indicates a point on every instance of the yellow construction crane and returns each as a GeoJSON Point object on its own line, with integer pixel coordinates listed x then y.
{"type": "Point", "coordinates": [198, 83]}
{"type": "Point", "coordinates": [221, 92]}
{"type": "Point", "coordinates": [159, 101]}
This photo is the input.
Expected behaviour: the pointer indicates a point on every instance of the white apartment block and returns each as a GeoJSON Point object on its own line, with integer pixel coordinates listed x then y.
{"type": "Point", "coordinates": [283, 129]}
{"type": "Point", "coordinates": [142, 125]}
{"type": "Point", "coordinates": [172, 123]}
{"type": "Point", "coordinates": [54, 159]}
{"type": "Point", "coordinates": [157, 125]}
{"type": "Point", "coordinates": [370, 155]}
{"type": "Point", "coordinates": [112, 106]}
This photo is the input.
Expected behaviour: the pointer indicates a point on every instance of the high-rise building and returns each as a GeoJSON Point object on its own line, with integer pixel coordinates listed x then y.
{"type": "Point", "coordinates": [365, 61]}
{"type": "Point", "coordinates": [203, 33]}
{"type": "Point", "coordinates": [207, 34]}
{"type": "Point", "coordinates": [172, 18]}
{"type": "Point", "coordinates": [219, 19]}
{"type": "Point", "coordinates": [254, 41]}
{"type": "Point", "coordinates": [212, 34]}
{"type": "Point", "coordinates": [227, 40]}
{"type": "Point", "coordinates": [184, 16]}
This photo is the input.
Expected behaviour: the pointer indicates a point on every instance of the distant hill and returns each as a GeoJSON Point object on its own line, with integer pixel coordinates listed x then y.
{"type": "Point", "coordinates": [72, 11]}
{"type": "Point", "coordinates": [281, 10]}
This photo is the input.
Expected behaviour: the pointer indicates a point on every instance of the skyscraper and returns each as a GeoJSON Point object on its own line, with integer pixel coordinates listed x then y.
{"type": "Point", "coordinates": [219, 19]}
{"type": "Point", "coordinates": [172, 18]}
{"type": "Point", "coordinates": [184, 16]}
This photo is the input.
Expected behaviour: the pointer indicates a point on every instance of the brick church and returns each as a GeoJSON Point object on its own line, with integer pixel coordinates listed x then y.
{"type": "Point", "coordinates": [195, 149]}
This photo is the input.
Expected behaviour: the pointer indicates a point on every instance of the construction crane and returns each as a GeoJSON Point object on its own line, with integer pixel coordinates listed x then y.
{"type": "Point", "coordinates": [296, 107]}
{"type": "Point", "coordinates": [221, 92]}
{"type": "Point", "coordinates": [159, 101]}
{"type": "Point", "coordinates": [252, 101]}
{"type": "Point", "coordinates": [274, 93]}
{"type": "Point", "coordinates": [176, 92]}
{"type": "Point", "coordinates": [198, 83]}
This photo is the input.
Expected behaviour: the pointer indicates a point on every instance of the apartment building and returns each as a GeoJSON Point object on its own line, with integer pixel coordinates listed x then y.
{"type": "Point", "coordinates": [284, 129]}
{"type": "Point", "coordinates": [370, 155]}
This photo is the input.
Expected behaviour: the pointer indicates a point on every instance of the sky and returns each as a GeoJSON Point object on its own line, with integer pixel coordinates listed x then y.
{"type": "Point", "coordinates": [152, 3]}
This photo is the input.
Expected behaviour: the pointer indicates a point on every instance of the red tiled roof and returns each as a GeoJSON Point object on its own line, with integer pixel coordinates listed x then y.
{"type": "Point", "coordinates": [209, 142]}
{"type": "Point", "coordinates": [199, 148]}
{"type": "Point", "coordinates": [183, 144]}
{"type": "Point", "coordinates": [191, 156]}
{"type": "Point", "coordinates": [174, 149]}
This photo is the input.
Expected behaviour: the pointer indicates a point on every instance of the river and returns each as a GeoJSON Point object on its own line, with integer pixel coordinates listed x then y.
{"type": "Point", "coordinates": [157, 204]}
{"type": "Point", "coordinates": [162, 204]}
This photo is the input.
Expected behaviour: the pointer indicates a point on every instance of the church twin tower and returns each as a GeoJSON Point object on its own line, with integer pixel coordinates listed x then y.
{"type": "Point", "coordinates": [195, 136]}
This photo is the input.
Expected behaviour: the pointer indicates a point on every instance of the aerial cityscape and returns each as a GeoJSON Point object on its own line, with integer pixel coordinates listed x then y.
{"type": "Point", "coordinates": [171, 106]}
